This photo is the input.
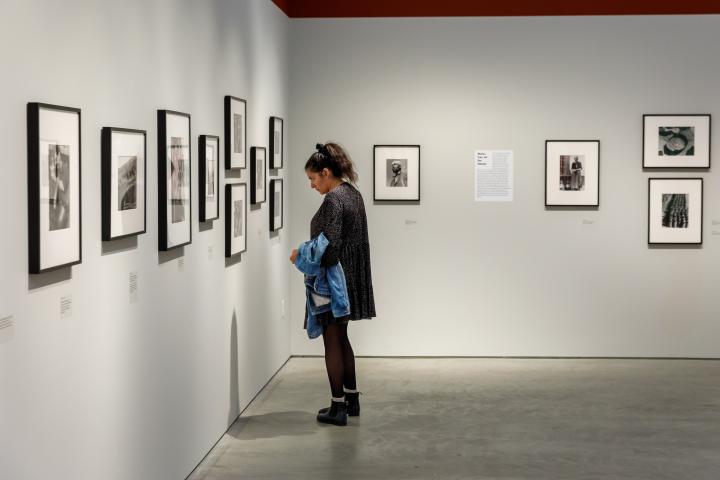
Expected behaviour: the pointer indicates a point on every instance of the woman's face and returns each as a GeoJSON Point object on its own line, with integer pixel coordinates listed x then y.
{"type": "Point", "coordinates": [320, 181]}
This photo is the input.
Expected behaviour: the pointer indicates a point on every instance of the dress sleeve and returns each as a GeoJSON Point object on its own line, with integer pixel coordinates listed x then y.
{"type": "Point", "coordinates": [332, 213]}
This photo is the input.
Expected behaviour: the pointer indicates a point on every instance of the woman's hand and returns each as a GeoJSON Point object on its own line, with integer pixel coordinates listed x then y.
{"type": "Point", "coordinates": [293, 256]}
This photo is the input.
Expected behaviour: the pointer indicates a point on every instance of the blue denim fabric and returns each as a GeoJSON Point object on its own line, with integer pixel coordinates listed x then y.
{"type": "Point", "coordinates": [325, 288]}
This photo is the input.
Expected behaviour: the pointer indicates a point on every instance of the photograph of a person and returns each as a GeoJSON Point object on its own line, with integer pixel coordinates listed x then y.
{"type": "Point", "coordinates": [238, 219]}
{"type": "Point", "coordinates": [675, 210]}
{"type": "Point", "coordinates": [238, 130]}
{"type": "Point", "coordinates": [59, 175]}
{"type": "Point", "coordinates": [127, 183]}
{"type": "Point", "coordinates": [572, 172]}
{"type": "Point", "coordinates": [178, 179]}
{"type": "Point", "coordinates": [397, 172]}
{"type": "Point", "coordinates": [676, 141]}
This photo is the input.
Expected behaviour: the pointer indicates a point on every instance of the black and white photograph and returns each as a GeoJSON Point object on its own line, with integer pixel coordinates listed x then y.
{"type": "Point", "coordinates": [209, 177]}
{"type": "Point", "coordinates": [235, 132]}
{"type": "Point", "coordinates": [572, 173]}
{"type": "Point", "coordinates": [396, 172]}
{"type": "Point", "coordinates": [54, 196]}
{"type": "Point", "coordinates": [276, 204]}
{"type": "Point", "coordinates": [236, 200]}
{"type": "Point", "coordinates": [127, 183]}
{"type": "Point", "coordinates": [178, 178]}
{"type": "Point", "coordinates": [676, 141]}
{"type": "Point", "coordinates": [572, 176]}
{"type": "Point", "coordinates": [675, 210]}
{"type": "Point", "coordinates": [59, 177]}
{"type": "Point", "coordinates": [258, 166]}
{"type": "Point", "coordinates": [123, 182]}
{"type": "Point", "coordinates": [174, 171]}
{"type": "Point", "coordinates": [276, 143]}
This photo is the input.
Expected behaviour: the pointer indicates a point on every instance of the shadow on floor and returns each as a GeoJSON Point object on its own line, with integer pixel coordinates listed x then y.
{"type": "Point", "coordinates": [276, 424]}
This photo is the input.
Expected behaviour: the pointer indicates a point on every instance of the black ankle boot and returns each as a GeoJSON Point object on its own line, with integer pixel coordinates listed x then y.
{"type": "Point", "coordinates": [336, 414]}
{"type": "Point", "coordinates": [352, 403]}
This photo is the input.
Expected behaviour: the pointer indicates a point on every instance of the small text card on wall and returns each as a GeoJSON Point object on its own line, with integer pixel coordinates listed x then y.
{"type": "Point", "coordinates": [493, 175]}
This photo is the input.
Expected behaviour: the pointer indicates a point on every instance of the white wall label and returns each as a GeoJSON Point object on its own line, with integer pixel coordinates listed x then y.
{"type": "Point", "coordinates": [133, 289]}
{"type": "Point", "coordinates": [210, 252]}
{"type": "Point", "coordinates": [7, 322]}
{"type": "Point", "coordinates": [181, 264]}
{"type": "Point", "coordinates": [410, 222]}
{"type": "Point", "coordinates": [587, 221]}
{"type": "Point", "coordinates": [493, 175]}
{"type": "Point", "coordinates": [66, 306]}
{"type": "Point", "coordinates": [716, 223]}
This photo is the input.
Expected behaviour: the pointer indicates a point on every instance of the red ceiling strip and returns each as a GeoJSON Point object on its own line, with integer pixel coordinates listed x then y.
{"type": "Point", "coordinates": [479, 8]}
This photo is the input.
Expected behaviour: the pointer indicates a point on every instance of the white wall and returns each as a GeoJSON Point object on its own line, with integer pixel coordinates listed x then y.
{"type": "Point", "coordinates": [120, 390]}
{"type": "Point", "coordinates": [512, 279]}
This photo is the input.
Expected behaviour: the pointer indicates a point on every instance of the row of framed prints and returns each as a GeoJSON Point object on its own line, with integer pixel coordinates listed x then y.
{"type": "Point", "coordinates": [54, 172]}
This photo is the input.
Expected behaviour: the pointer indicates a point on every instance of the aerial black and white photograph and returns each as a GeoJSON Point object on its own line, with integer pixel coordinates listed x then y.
{"type": "Point", "coordinates": [177, 179]}
{"type": "Point", "coordinates": [258, 165]}
{"type": "Point", "coordinates": [675, 210]}
{"type": "Point", "coordinates": [396, 172]}
{"type": "Point", "coordinates": [59, 176]}
{"type": "Point", "coordinates": [210, 173]}
{"type": "Point", "coordinates": [238, 218]}
{"type": "Point", "coordinates": [127, 183]}
{"type": "Point", "coordinates": [676, 141]}
{"type": "Point", "coordinates": [572, 172]}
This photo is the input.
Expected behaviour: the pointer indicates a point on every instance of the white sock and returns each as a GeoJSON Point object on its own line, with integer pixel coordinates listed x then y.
{"type": "Point", "coordinates": [339, 399]}
{"type": "Point", "coordinates": [347, 390]}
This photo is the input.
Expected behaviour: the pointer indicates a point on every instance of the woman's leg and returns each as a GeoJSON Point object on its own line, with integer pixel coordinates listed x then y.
{"type": "Point", "coordinates": [332, 338]}
{"type": "Point", "coordinates": [348, 355]}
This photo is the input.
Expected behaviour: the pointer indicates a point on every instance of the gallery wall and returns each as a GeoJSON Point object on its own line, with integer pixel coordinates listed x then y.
{"type": "Point", "coordinates": [122, 387]}
{"type": "Point", "coordinates": [456, 277]}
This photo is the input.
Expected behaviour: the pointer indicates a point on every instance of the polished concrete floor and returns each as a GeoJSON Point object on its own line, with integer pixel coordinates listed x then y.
{"type": "Point", "coordinates": [484, 419]}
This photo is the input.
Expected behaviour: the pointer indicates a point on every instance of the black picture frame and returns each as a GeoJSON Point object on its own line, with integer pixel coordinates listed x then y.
{"type": "Point", "coordinates": [165, 243]}
{"type": "Point", "coordinates": [203, 141]}
{"type": "Point", "coordinates": [413, 176]}
{"type": "Point", "coordinates": [276, 185]}
{"type": "Point", "coordinates": [594, 194]}
{"type": "Point", "coordinates": [107, 167]}
{"type": "Point", "coordinates": [653, 212]}
{"type": "Point", "coordinates": [235, 160]}
{"type": "Point", "coordinates": [276, 143]}
{"type": "Point", "coordinates": [655, 159]}
{"type": "Point", "coordinates": [41, 247]}
{"type": "Point", "coordinates": [233, 193]}
{"type": "Point", "coordinates": [258, 155]}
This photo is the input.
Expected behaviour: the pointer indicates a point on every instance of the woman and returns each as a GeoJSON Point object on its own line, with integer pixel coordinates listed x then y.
{"type": "Point", "coordinates": [341, 218]}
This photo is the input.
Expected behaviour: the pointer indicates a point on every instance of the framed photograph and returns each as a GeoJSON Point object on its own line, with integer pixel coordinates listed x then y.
{"type": "Point", "coordinates": [676, 141]}
{"type": "Point", "coordinates": [174, 193]}
{"type": "Point", "coordinates": [235, 218]}
{"type": "Point", "coordinates": [54, 197]}
{"type": "Point", "coordinates": [276, 142]}
{"type": "Point", "coordinates": [572, 173]}
{"type": "Point", "coordinates": [258, 166]}
{"type": "Point", "coordinates": [124, 153]}
{"type": "Point", "coordinates": [209, 177]}
{"type": "Point", "coordinates": [235, 132]}
{"type": "Point", "coordinates": [396, 170]}
{"type": "Point", "coordinates": [276, 204]}
{"type": "Point", "coordinates": [675, 210]}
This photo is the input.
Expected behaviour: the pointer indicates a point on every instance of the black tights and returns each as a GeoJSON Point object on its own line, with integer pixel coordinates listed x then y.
{"type": "Point", "coordinates": [339, 359]}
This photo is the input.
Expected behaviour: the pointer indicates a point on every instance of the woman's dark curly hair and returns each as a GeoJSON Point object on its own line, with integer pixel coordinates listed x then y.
{"type": "Point", "coordinates": [333, 157]}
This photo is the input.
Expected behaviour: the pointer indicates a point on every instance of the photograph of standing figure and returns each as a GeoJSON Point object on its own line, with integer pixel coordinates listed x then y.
{"type": "Point", "coordinates": [59, 174]}
{"type": "Point", "coordinates": [572, 173]}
